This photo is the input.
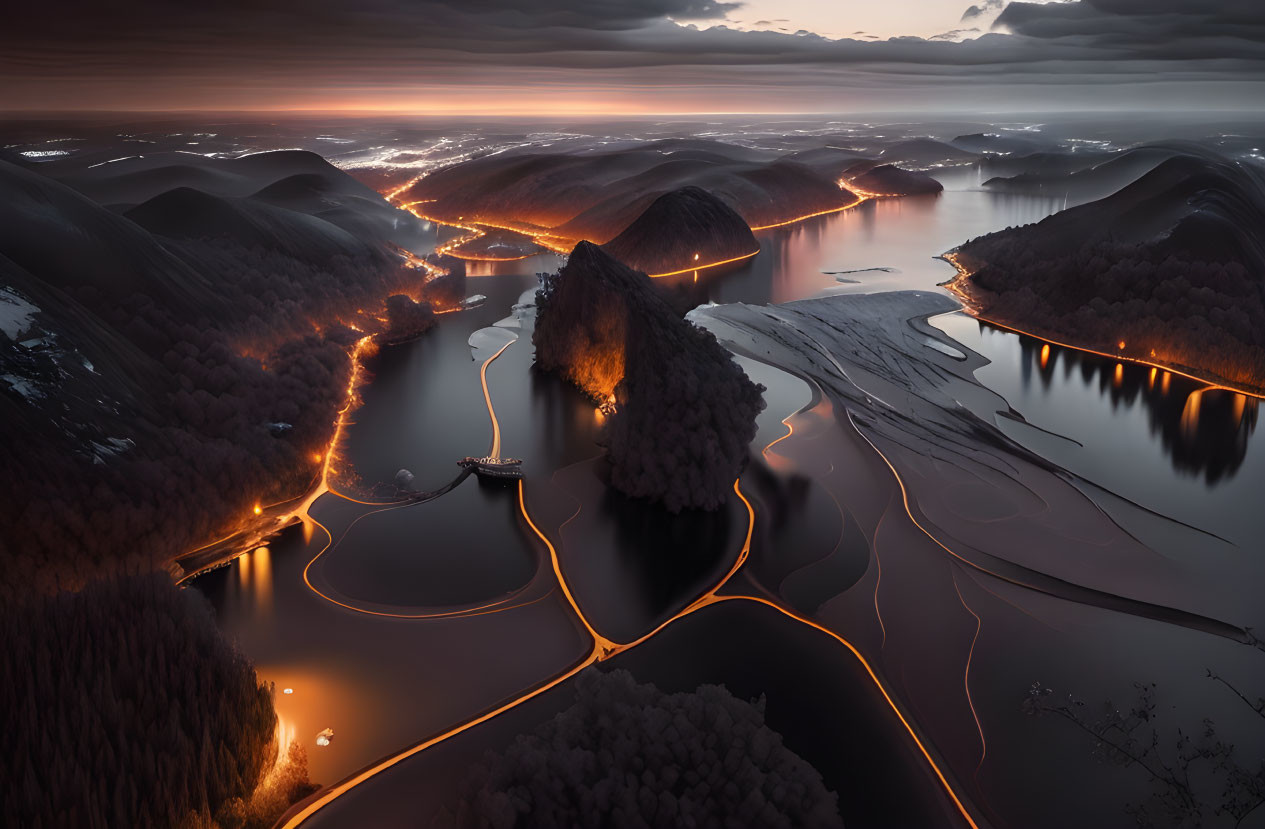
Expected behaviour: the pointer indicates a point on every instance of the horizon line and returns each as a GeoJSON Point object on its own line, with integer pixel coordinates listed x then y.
{"type": "Point", "coordinates": [399, 111]}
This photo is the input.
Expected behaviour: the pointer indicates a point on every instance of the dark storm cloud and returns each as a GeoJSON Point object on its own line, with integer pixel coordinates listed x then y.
{"type": "Point", "coordinates": [384, 44]}
{"type": "Point", "coordinates": [1142, 23]}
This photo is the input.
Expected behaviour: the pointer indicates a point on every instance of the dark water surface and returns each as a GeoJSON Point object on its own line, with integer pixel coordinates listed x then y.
{"type": "Point", "coordinates": [383, 683]}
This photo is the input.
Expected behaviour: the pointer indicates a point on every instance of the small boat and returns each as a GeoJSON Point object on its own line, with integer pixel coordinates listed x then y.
{"type": "Point", "coordinates": [324, 737]}
{"type": "Point", "coordinates": [493, 467]}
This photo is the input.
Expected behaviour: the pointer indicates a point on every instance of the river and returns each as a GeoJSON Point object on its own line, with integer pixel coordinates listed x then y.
{"type": "Point", "coordinates": [446, 609]}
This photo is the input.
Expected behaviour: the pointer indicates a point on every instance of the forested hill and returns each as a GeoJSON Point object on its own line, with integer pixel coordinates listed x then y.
{"type": "Point", "coordinates": [1172, 266]}
{"type": "Point", "coordinates": [123, 706]}
{"type": "Point", "coordinates": [164, 366]}
{"type": "Point", "coordinates": [684, 412]}
{"type": "Point", "coordinates": [683, 228]}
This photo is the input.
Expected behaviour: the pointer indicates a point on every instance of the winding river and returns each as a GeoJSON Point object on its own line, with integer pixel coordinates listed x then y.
{"type": "Point", "coordinates": [426, 633]}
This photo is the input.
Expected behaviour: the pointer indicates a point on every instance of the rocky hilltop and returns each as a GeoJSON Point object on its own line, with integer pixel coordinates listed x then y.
{"type": "Point", "coordinates": [681, 413]}
{"type": "Point", "coordinates": [684, 228]}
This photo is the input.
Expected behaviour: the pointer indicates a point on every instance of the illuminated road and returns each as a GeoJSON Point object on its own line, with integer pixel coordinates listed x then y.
{"type": "Point", "coordinates": [958, 286]}
{"type": "Point", "coordinates": [508, 602]}
{"type": "Point", "coordinates": [495, 451]}
{"type": "Point", "coordinates": [603, 648]}
{"type": "Point", "coordinates": [477, 228]}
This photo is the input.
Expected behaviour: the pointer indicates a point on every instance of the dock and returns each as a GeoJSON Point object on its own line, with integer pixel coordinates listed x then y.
{"type": "Point", "coordinates": [493, 467]}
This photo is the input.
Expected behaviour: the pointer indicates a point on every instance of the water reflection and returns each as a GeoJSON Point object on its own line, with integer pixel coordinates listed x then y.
{"type": "Point", "coordinates": [631, 563]}
{"type": "Point", "coordinates": [254, 578]}
{"type": "Point", "coordinates": [1203, 431]}
{"type": "Point", "coordinates": [881, 245]}
{"type": "Point", "coordinates": [662, 555]}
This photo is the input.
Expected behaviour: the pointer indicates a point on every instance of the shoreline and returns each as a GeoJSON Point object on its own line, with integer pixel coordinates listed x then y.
{"type": "Point", "coordinates": [969, 295]}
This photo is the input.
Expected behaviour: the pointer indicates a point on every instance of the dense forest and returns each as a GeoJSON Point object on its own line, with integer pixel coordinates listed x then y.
{"type": "Point", "coordinates": [626, 754]}
{"type": "Point", "coordinates": [168, 384]}
{"type": "Point", "coordinates": [683, 228]}
{"type": "Point", "coordinates": [164, 368]}
{"type": "Point", "coordinates": [681, 411]}
{"type": "Point", "coordinates": [123, 706]}
{"type": "Point", "coordinates": [1169, 269]}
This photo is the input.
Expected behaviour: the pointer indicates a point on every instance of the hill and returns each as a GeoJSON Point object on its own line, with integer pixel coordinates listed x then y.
{"type": "Point", "coordinates": [144, 354]}
{"type": "Point", "coordinates": [683, 411]}
{"type": "Point", "coordinates": [683, 228]}
{"type": "Point", "coordinates": [595, 195]}
{"type": "Point", "coordinates": [185, 213]}
{"type": "Point", "coordinates": [1170, 269]}
{"type": "Point", "coordinates": [1092, 181]}
{"type": "Point", "coordinates": [889, 180]}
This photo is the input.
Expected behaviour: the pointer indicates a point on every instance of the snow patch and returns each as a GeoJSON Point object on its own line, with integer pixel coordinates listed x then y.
{"type": "Point", "coordinates": [16, 314]}
{"type": "Point", "coordinates": [112, 446]}
{"type": "Point", "coordinates": [22, 386]}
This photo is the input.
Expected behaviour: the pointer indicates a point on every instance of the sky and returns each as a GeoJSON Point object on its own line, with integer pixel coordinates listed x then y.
{"type": "Point", "coordinates": [856, 18]}
{"type": "Point", "coordinates": [596, 57]}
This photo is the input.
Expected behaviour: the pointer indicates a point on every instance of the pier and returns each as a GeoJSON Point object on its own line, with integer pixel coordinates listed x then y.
{"type": "Point", "coordinates": [493, 467]}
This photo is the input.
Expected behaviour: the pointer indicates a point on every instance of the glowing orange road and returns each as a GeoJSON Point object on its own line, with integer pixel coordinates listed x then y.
{"type": "Point", "coordinates": [602, 647]}
{"type": "Point", "coordinates": [878, 565]}
{"type": "Point", "coordinates": [487, 398]}
{"type": "Point", "coordinates": [968, 304]}
{"type": "Point", "coordinates": [321, 481]}
{"type": "Point", "coordinates": [331, 794]}
{"type": "Point", "coordinates": [863, 193]}
{"type": "Point", "coordinates": [790, 430]}
{"type": "Point", "coordinates": [261, 508]}
{"type": "Point", "coordinates": [904, 494]}
{"type": "Point", "coordinates": [878, 683]}
{"type": "Point", "coordinates": [408, 184]}
{"type": "Point", "coordinates": [477, 228]}
{"type": "Point", "coordinates": [499, 605]}
{"type": "Point", "coordinates": [966, 675]}
{"type": "Point", "coordinates": [707, 265]}
{"type": "Point", "coordinates": [710, 596]}
{"type": "Point", "coordinates": [810, 215]}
